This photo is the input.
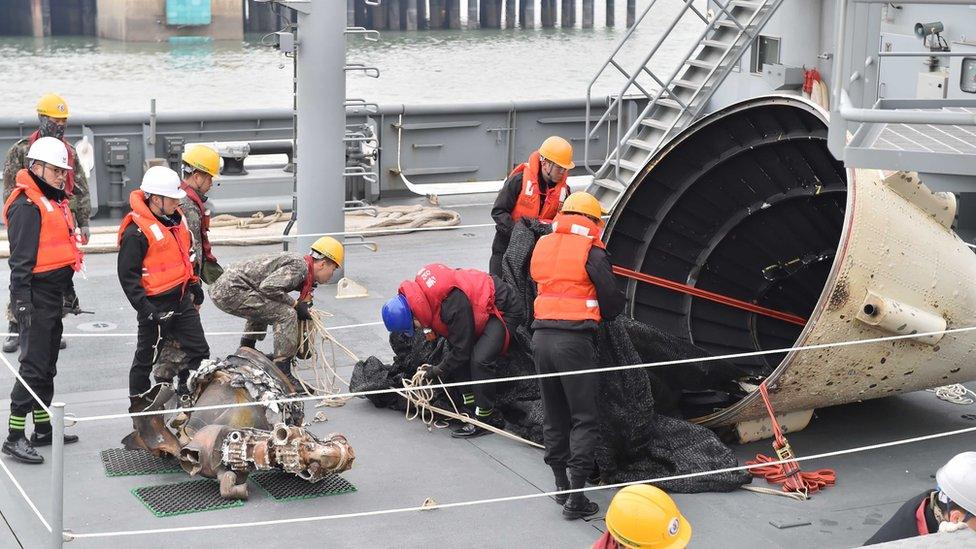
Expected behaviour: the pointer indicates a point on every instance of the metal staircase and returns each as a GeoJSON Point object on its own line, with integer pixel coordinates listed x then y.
{"type": "Point", "coordinates": [730, 27]}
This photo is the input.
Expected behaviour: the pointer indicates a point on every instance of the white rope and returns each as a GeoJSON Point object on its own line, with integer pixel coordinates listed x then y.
{"type": "Point", "coordinates": [519, 497]}
{"type": "Point", "coordinates": [315, 337]}
{"type": "Point", "coordinates": [545, 375]}
{"type": "Point", "coordinates": [37, 399]}
{"type": "Point", "coordinates": [956, 393]}
{"type": "Point", "coordinates": [209, 334]}
{"type": "Point", "coordinates": [367, 232]}
{"type": "Point", "coordinates": [23, 494]}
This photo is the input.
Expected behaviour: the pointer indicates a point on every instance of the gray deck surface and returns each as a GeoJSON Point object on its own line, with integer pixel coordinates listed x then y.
{"type": "Point", "coordinates": [400, 464]}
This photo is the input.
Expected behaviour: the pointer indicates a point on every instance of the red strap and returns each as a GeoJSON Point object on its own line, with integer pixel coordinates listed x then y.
{"type": "Point", "coordinates": [920, 522]}
{"type": "Point", "coordinates": [711, 296]}
{"type": "Point", "coordinates": [204, 222]}
{"type": "Point", "coordinates": [309, 279]}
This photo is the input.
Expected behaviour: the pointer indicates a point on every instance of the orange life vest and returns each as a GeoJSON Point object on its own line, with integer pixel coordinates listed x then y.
{"type": "Point", "coordinates": [558, 266]}
{"type": "Point", "coordinates": [167, 262]}
{"type": "Point", "coordinates": [58, 245]}
{"type": "Point", "coordinates": [527, 204]}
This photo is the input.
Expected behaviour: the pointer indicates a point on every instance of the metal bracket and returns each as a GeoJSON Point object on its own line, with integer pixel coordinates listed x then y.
{"type": "Point", "coordinates": [372, 72]}
{"type": "Point", "coordinates": [368, 34]}
{"type": "Point", "coordinates": [359, 171]}
{"type": "Point", "coordinates": [360, 240]}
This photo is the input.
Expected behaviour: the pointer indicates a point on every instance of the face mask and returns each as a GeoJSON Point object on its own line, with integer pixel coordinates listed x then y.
{"type": "Point", "coordinates": [50, 128]}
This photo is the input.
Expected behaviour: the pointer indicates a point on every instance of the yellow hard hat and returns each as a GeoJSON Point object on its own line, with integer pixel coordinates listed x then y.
{"type": "Point", "coordinates": [330, 248]}
{"type": "Point", "coordinates": [582, 202]}
{"type": "Point", "coordinates": [53, 105]}
{"type": "Point", "coordinates": [643, 516]}
{"type": "Point", "coordinates": [558, 150]}
{"type": "Point", "coordinates": [203, 158]}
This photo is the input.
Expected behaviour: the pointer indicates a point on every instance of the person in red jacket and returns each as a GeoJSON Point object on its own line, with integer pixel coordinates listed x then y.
{"type": "Point", "coordinates": [155, 270]}
{"type": "Point", "coordinates": [44, 256]}
{"type": "Point", "coordinates": [476, 313]}
{"type": "Point", "coordinates": [534, 190]}
{"type": "Point", "coordinates": [576, 291]}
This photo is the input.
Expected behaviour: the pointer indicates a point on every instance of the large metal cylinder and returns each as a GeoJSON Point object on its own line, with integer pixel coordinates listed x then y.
{"type": "Point", "coordinates": [748, 202]}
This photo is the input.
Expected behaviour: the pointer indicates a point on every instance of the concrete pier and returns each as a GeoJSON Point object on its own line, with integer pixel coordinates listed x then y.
{"type": "Point", "coordinates": [145, 21]}
{"type": "Point", "coordinates": [528, 15]}
{"type": "Point", "coordinates": [510, 7]}
{"type": "Point", "coordinates": [410, 20]}
{"type": "Point", "coordinates": [473, 22]}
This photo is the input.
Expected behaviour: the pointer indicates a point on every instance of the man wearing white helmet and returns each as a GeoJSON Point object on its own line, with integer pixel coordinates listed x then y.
{"type": "Point", "coordinates": [52, 118]}
{"type": "Point", "coordinates": [951, 507]}
{"type": "Point", "coordinates": [155, 269]}
{"type": "Point", "coordinates": [44, 256]}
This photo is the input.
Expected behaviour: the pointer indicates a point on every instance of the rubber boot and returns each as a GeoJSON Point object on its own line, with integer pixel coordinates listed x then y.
{"type": "Point", "coordinates": [577, 504]}
{"type": "Point", "coordinates": [284, 365]}
{"type": "Point", "coordinates": [12, 343]}
{"type": "Point", "coordinates": [248, 342]}
{"type": "Point", "coordinates": [562, 483]}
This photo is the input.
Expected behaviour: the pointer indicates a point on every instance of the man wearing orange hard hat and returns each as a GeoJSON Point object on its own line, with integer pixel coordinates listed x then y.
{"type": "Point", "coordinates": [644, 517]}
{"type": "Point", "coordinates": [52, 117]}
{"type": "Point", "coordinates": [535, 189]}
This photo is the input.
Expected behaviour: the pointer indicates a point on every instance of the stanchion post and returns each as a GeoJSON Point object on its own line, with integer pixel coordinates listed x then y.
{"type": "Point", "coordinates": [57, 475]}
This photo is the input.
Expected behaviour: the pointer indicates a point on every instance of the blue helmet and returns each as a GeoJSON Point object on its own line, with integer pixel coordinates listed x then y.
{"type": "Point", "coordinates": [397, 315]}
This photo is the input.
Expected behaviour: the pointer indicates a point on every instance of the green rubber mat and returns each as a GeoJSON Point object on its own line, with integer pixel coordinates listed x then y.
{"type": "Point", "coordinates": [120, 462]}
{"type": "Point", "coordinates": [181, 498]}
{"type": "Point", "coordinates": [286, 487]}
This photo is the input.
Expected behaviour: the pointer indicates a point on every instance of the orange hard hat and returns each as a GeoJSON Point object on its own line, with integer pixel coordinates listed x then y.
{"type": "Point", "coordinates": [557, 150]}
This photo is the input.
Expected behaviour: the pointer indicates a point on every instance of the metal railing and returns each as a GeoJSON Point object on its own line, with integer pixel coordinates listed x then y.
{"type": "Point", "coordinates": [844, 110]}
{"type": "Point", "coordinates": [616, 101]}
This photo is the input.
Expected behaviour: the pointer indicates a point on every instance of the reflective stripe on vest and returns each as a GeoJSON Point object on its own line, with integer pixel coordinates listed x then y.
{"type": "Point", "coordinates": [167, 261]}
{"type": "Point", "coordinates": [558, 266]}
{"type": "Point", "coordinates": [528, 203]}
{"type": "Point", "coordinates": [57, 245]}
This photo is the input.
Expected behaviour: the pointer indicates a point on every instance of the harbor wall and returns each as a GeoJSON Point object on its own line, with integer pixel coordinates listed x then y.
{"type": "Point", "coordinates": [145, 21]}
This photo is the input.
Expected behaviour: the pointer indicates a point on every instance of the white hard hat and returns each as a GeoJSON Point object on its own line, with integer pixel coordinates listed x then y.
{"type": "Point", "coordinates": [162, 181]}
{"type": "Point", "coordinates": [957, 480]}
{"type": "Point", "coordinates": [51, 151]}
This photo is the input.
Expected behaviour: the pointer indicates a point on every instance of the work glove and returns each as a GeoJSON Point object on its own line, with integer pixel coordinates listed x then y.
{"type": "Point", "coordinates": [196, 290]}
{"type": "Point", "coordinates": [85, 233]}
{"type": "Point", "coordinates": [23, 311]}
{"type": "Point", "coordinates": [302, 307]}
{"type": "Point", "coordinates": [431, 373]}
{"type": "Point", "coordinates": [163, 319]}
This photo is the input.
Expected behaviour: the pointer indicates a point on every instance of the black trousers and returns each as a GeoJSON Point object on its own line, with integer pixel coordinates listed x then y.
{"type": "Point", "coordinates": [571, 427]}
{"type": "Point", "coordinates": [482, 365]}
{"type": "Point", "coordinates": [39, 346]}
{"type": "Point", "coordinates": [185, 328]}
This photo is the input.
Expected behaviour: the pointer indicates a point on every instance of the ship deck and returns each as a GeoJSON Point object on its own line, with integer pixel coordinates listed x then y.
{"type": "Point", "coordinates": [400, 464]}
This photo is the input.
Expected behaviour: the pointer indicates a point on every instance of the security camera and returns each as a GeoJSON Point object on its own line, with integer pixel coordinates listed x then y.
{"type": "Point", "coordinates": [923, 30]}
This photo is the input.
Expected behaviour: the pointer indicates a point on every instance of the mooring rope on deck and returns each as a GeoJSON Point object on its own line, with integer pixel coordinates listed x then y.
{"type": "Point", "coordinates": [505, 499]}
{"type": "Point", "coordinates": [543, 375]}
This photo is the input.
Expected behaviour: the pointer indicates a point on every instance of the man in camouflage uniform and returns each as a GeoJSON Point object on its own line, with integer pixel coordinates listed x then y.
{"type": "Point", "coordinates": [52, 116]}
{"type": "Point", "coordinates": [257, 290]}
{"type": "Point", "coordinates": [201, 165]}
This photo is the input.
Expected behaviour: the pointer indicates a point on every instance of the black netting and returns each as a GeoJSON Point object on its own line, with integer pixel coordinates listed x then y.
{"type": "Point", "coordinates": [638, 439]}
